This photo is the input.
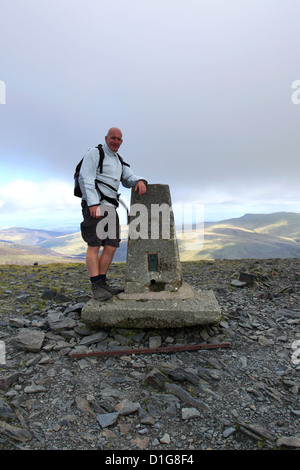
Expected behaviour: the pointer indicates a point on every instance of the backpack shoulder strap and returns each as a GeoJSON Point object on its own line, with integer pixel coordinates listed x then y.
{"type": "Point", "coordinates": [122, 161]}
{"type": "Point", "coordinates": [101, 157]}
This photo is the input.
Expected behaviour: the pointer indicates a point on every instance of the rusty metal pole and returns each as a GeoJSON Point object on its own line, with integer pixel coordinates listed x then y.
{"type": "Point", "coordinates": [167, 349]}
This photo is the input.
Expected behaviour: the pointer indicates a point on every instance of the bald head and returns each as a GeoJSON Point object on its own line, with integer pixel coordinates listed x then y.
{"type": "Point", "coordinates": [113, 130]}
{"type": "Point", "coordinates": [114, 139]}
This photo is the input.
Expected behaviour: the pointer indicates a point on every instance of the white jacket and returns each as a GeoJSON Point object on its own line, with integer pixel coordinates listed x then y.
{"type": "Point", "coordinates": [112, 175]}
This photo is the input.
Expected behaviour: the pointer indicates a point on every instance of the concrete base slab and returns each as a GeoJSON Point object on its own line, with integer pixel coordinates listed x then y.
{"type": "Point", "coordinates": [186, 307]}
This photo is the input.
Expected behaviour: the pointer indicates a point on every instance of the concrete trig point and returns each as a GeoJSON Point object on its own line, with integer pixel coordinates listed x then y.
{"type": "Point", "coordinates": [153, 262]}
{"type": "Point", "coordinates": [155, 294]}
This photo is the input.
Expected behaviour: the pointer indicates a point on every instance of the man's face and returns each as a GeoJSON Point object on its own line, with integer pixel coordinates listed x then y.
{"type": "Point", "coordinates": [114, 139]}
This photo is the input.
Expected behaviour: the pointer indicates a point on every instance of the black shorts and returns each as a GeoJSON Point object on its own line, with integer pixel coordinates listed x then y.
{"type": "Point", "coordinates": [102, 231]}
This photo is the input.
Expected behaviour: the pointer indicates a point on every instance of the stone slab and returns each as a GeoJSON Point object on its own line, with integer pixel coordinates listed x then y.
{"type": "Point", "coordinates": [183, 292]}
{"type": "Point", "coordinates": [30, 340]}
{"type": "Point", "coordinates": [154, 310]}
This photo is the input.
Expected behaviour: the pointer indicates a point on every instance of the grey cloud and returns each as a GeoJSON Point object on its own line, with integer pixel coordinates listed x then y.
{"type": "Point", "coordinates": [201, 90]}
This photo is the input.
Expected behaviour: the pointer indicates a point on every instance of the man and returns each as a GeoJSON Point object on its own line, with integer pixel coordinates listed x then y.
{"type": "Point", "coordinates": [98, 207]}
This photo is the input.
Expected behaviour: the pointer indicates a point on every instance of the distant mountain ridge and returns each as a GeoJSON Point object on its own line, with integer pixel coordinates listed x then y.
{"type": "Point", "coordinates": [286, 224]}
{"type": "Point", "coordinates": [26, 236]}
{"type": "Point", "coordinates": [21, 245]}
{"type": "Point", "coordinates": [275, 235]}
{"type": "Point", "coordinates": [260, 236]}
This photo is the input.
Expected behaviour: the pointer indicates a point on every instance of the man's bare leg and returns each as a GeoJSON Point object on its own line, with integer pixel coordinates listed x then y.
{"type": "Point", "coordinates": [92, 260]}
{"type": "Point", "coordinates": [106, 258]}
{"type": "Point", "coordinates": [92, 264]}
{"type": "Point", "coordinates": [97, 267]}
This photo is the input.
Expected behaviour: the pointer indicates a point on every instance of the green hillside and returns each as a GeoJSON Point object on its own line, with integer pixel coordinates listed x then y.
{"type": "Point", "coordinates": [70, 245]}
{"type": "Point", "coordinates": [26, 236]}
{"type": "Point", "coordinates": [281, 224]}
{"type": "Point", "coordinates": [236, 243]}
{"type": "Point", "coordinates": [25, 254]}
{"type": "Point", "coordinates": [274, 235]}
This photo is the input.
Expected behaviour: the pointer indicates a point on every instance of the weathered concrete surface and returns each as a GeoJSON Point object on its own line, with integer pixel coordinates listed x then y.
{"type": "Point", "coordinates": [157, 238]}
{"type": "Point", "coordinates": [186, 307]}
{"type": "Point", "coordinates": [184, 292]}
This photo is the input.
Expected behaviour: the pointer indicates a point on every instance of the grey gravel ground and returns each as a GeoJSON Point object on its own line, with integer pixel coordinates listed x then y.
{"type": "Point", "coordinates": [245, 396]}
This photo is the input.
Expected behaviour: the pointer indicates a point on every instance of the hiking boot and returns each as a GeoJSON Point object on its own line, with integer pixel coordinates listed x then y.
{"type": "Point", "coordinates": [99, 292]}
{"type": "Point", "coordinates": [112, 289]}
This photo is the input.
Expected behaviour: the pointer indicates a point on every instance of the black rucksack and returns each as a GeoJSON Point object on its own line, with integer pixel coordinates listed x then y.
{"type": "Point", "coordinates": [77, 190]}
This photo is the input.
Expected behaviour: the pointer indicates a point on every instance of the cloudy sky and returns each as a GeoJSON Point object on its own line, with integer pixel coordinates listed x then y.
{"type": "Point", "coordinates": [202, 90]}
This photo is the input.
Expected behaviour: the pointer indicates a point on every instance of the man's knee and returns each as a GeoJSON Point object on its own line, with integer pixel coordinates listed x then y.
{"type": "Point", "coordinates": [92, 250]}
{"type": "Point", "coordinates": [109, 248]}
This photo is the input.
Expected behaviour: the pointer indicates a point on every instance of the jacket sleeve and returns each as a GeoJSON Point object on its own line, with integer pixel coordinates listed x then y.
{"type": "Point", "coordinates": [129, 179]}
{"type": "Point", "coordinates": [87, 177]}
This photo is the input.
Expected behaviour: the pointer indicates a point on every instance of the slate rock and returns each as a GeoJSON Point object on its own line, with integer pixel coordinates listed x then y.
{"type": "Point", "coordinates": [19, 322]}
{"type": "Point", "coordinates": [74, 308]}
{"type": "Point", "coordinates": [33, 388]}
{"type": "Point", "coordinates": [157, 378]}
{"type": "Point", "coordinates": [291, 442]}
{"type": "Point", "coordinates": [107, 419]}
{"type": "Point", "coordinates": [5, 410]}
{"type": "Point", "coordinates": [145, 417]}
{"type": "Point", "coordinates": [256, 431]}
{"type": "Point", "coordinates": [154, 341]}
{"type": "Point", "coordinates": [83, 405]}
{"type": "Point", "coordinates": [181, 375]}
{"type": "Point", "coordinates": [165, 439]}
{"type": "Point", "coordinates": [186, 397]}
{"type": "Point", "coordinates": [49, 294]}
{"type": "Point", "coordinates": [229, 431]}
{"type": "Point", "coordinates": [189, 413]}
{"type": "Point", "coordinates": [127, 407]}
{"type": "Point", "coordinates": [14, 432]}
{"type": "Point", "coordinates": [94, 338]}
{"type": "Point", "coordinates": [7, 381]}
{"type": "Point", "coordinates": [30, 340]}
{"type": "Point", "coordinates": [247, 277]}
{"type": "Point", "coordinates": [238, 283]}
{"type": "Point", "coordinates": [57, 321]}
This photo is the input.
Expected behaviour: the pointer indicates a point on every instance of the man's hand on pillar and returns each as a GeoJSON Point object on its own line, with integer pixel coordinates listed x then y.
{"type": "Point", "coordinates": [140, 187]}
